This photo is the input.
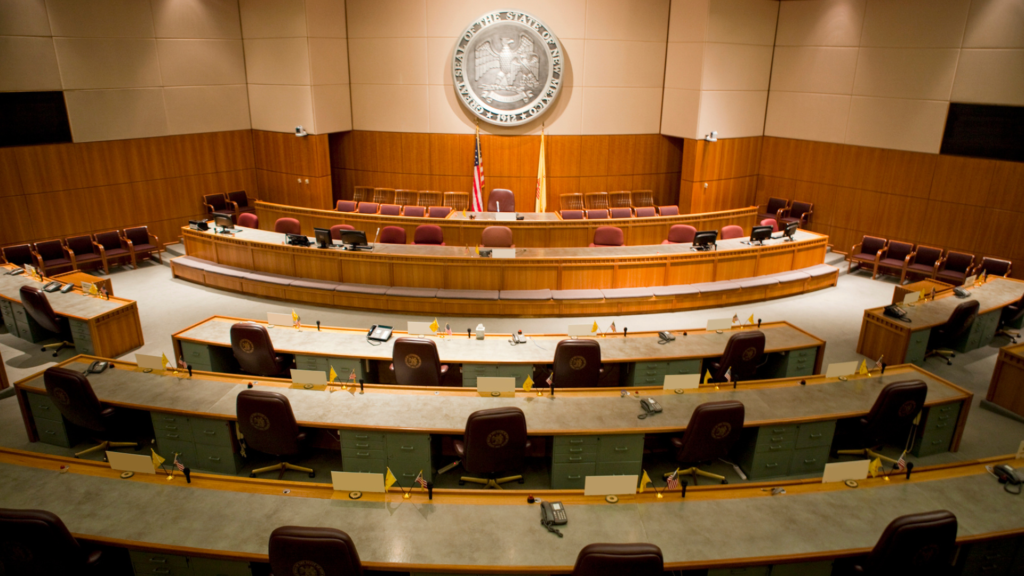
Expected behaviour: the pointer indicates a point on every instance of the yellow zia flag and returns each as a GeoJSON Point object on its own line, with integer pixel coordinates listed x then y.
{"type": "Point", "coordinates": [875, 467]}
{"type": "Point", "coordinates": [332, 376]}
{"type": "Point", "coordinates": [863, 370]}
{"type": "Point", "coordinates": [528, 385]}
{"type": "Point", "coordinates": [164, 360]}
{"type": "Point", "coordinates": [389, 479]}
{"type": "Point", "coordinates": [463, 212]}
{"type": "Point", "coordinates": [751, 319]}
{"type": "Point", "coordinates": [707, 376]}
{"type": "Point", "coordinates": [644, 482]}
{"type": "Point", "coordinates": [295, 318]}
{"type": "Point", "coordinates": [541, 204]}
{"type": "Point", "coordinates": [157, 459]}
{"type": "Point", "coordinates": [594, 327]}
{"type": "Point", "coordinates": [434, 325]}
{"type": "Point", "coordinates": [93, 290]}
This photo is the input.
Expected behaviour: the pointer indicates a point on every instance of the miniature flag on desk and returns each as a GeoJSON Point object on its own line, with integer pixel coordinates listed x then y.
{"type": "Point", "coordinates": [528, 384]}
{"type": "Point", "coordinates": [902, 462]}
{"type": "Point", "coordinates": [875, 467]}
{"type": "Point", "coordinates": [672, 482]}
{"type": "Point", "coordinates": [463, 212]}
{"type": "Point", "coordinates": [93, 291]}
{"type": "Point", "coordinates": [728, 374]}
{"type": "Point", "coordinates": [332, 376]}
{"type": "Point", "coordinates": [735, 318]}
{"type": "Point", "coordinates": [551, 377]}
{"type": "Point", "coordinates": [448, 329]}
{"type": "Point", "coordinates": [707, 376]}
{"type": "Point", "coordinates": [181, 363]}
{"type": "Point", "coordinates": [594, 328]}
{"type": "Point", "coordinates": [352, 377]}
{"type": "Point", "coordinates": [420, 480]}
{"type": "Point", "coordinates": [295, 319]}
{"type": "Point", "coordinates": [613, 327]}
{"type": "Point", "coordinates": [389, 479]}
{"type": "Point", "coordinates": [157, 459]}
{"type": "Point", "coordinates": [863, 370]}
{"type": "Point", "coordinates": [878, 363]}
{"type": "Point", "coordinates": [434, 325]}
{"type": "Point", "coordinates": [177, 464]}
{"type": "Point", "coordinates": [644, 482]}
{"type": "Point", "coordinates": [751, 319]}
{"type": "Point", "coordinates": [164, 361]}
{"type": "Point", "coordinates": [477, 248]}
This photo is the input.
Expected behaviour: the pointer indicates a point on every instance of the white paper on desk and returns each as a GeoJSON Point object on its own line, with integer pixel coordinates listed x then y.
{"type": "Point", "coordinates": [130, 462]}
{"type": "Point", "coordinates": [419, 328]}
{"type": "Point", "coordinates": [581, 329]}
{"type": "Point", "coordinates": [719, 323]}
{"type": "Point", "coordinates": [970, 281]}
{"type": "Point", "coordinates": [841, 369]}
{"type": "Point", "coordinates": [605, 485]}
{"type": "Point", "coordinates": [842, 471]}
{"type": "Point", "coordinates": [314, 377]}
{"type": "Point", "coordinates": [87, 287]}
{"type": "Point", "coordinates": [357, 482]}
{"type": "Point", "coordinates": [911, 297]}
{"type": "Point", "coordinates": [275, 319]}
{"type": "Point", "coordinates": [503, 252]}
{"type": "Point", "coordinates": [682, 381]}
{"type": "Point", "coordinates": [505, 216]}
{"type": "Point", "coordinates": [488, 384]}
{"type": "Point", "coordinates": [148, 361]}
{"type": "Point", "coordinates": [1020, 451]}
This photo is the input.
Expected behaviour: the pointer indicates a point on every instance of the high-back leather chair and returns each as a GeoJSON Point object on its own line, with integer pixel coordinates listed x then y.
{"type": "Point", "coordinates": [921, 543]}
{"type": "Point", "coordinates": [248, 220]}
{"type": "Point", "coordinates": [345, 206]}
{"type": "Point", "coordinates": [871, 250]}
{"type": "Point", "coordinates": [405, 197]}
{"type": "Point", "coordinates": [362, 194]}
{"type": "Point", "coordinates": [596, 200]}
{"type": "Point", "coordinates": [250, 342]}
{"type": "Point", "coordinates": [497, 237]}
{"type": "Point", "coordinates": [37, 543]}
{"type": "Point", "coordinates": [955, 267]}
{"type": "Point", "coordinates": [336, 230]}
{"type": "Point", "coordinates": [50, 257]}
{"type": "Point", "coordinates": [140, 243]}
{"type": "Point", "coordinates": [798, 212]}
{"type": "Point", "coordinates": [390, 210]}
{"type": "Point", "coordinates": [945, 337]}
{"type": "Point", "coordinates": [268, 425]}
{"type": "Point", "coordinates": [416, 363]}
{"type": "Point", "coordinates": [993, 267]}
{"type": "Point", "coordinates": [621, 212]}
{"type": "Point", "coordinates": [414, 211]}
{"type": "Point", "coordinates": [608, 236]}
{"type": "Point", "coordinates": [897, 257]}
{"type": "Point", "coordinates": [217, 205]}
{"type": "Point", "coordinates": [501, 198]}
{"type": "Point", "coordinates": [112, 248]}
{"type": "Point", "coordinates": [680, 234]}
{"type": "Point", "coordinates": [74, 398]}
{"type": "Point", "coordinates": [241, 202]}
{"type": "Point", "coordinates": [732, 231]}
{"type": "Point", "coordinates": [37, 305]}
{"type": "Point", "coordinates": [287, 226]}
{"type": "Point", "coordinates": [925, 262]}
{"type": "Point", "coordinates": [571, 214]}
{"type": "Point", "coordinates": [713, 429]}
{"type": "Point", "coordinates": [668, 210]}
{"type": "Point", "coordinates": [775, 209]}
{"type": "Point", "coordinates": [577, 364]}
{"type": "Point", "coordinates": [771, 222]}
{"type": "Point", "coordinates": [646, 212]}
{"type": "Point", "coordinates": [392, 235]}
{"type": "Point", "coordinates": [1009, 316]}
{"type": "Point", "coordinates": [439, 211]}
{"type": "Point", "coordinates": [744, 353]}
{"type": "Point", "coordinates": [368, 208]}
{"type": "Point", "coordinates": [428, 234]}
{"type": "Point", "coordinates": [597, 214]}
{"type": "Point", "coordinates": [640, 559]}
{"type": "Point", "coordinates": [494, 443]}
{"type": "Point", "coordinates": [890, 417]}
{"type": "Point", "coordinates": [83, 252]}
{"type": "Point", "coordinates": [313, 550]}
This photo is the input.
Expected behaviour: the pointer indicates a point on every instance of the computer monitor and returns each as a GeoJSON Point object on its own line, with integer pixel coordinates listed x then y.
{"type": "Point", "coordinates": [223, 222]}
{"type": "Point", "coordinates": [353, 237]}
{"type": "Point", "coordinates": [704, 239]}
{"type": "Point", "coordinates": [323, 237]}
{"type": "Point", "coordinates": [791, 229]}
{"type": "Point", "coordinates": [760, 233]}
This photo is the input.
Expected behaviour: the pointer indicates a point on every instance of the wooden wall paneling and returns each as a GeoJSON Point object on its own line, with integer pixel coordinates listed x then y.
{"type": "Point", "coordinates": [735, 267]}
{"type": "Point", "coordinates": [10, 176]}
{"type": "Point", "coordinates": [366, 271]}
{"type": "Point", "coordinates": [49, 167]}
{"type": "Point", "coordinates": [617, 182]}
{"type": "Point", "coordinates": [389, 151]}
{"type": "Point", "coordinates": [640, 274]}
{"type": "Point", "coordinates": [622, 159]}
{"type": "Point", "coordinates": [690, 271]}
{"type": "Point", "coordinates": [318, 267]}
{"type": "Point", "coordinates": [594, 156]}
{"type": "Point", "coordinates": [909, 173]}
{"type": "Point", "coordinates": [726, 158]}
{"type": "Point", "coordinates": [587, 276]}
{"type": "Point", "coordinates": [103, 163]}
{"type": "Point", "coordinates": [486, 277]}
{"type": "Point", "coordinates": [528, 277]}
{"type": "Point", "coordinates": [281, 152]}
{"type": "Point", "coordinates": [501, 155]}
{"type": "Point", "coordinates": [274, 260]}
{"type": "Point", "coordinates": [18, 225]}
{"type": "Point", "coordinates": [235, 254]}
{"type": "Point", "coordinates": [670, 154]}
{"type": "Point", "coordinates": [451, 154]}
{"type": "Point", "coordinates": [418, 274]}
{"type": "Point", "coordinates": [647, 157]}
{"type": "Point", "coordinates": [529, 155]}
{"type": "Point", "coordinates": [563, 156]}
{"type": "Point", "coordinates": [416, 154]}
{"type": "Point", "coordinates": [593, 184]}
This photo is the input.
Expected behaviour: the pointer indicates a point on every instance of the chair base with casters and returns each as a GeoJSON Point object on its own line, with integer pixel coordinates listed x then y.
{"type": "Point", "coordinates": [59, 347]}
{"type": "Point", "coordinates": [1011, 334]}
{"type": "Point", "coordinates": [867, 453]}
{"type": "Point", "coordinates": [281, 468]}
{"type": "Point", "coordinates": [104, 445]}
{"type": "Point", "coordinates": [491, 482]}
{"type": "Point", "coordinates": [946, 355]}
{"type": "Point", "coordinates": [695, 473]}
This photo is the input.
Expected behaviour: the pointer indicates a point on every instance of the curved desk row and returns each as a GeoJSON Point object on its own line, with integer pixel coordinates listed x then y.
{"type": "Point", "coordinates": [535, 230]}
{"type": "Point", "coordinates": [1006, 390]}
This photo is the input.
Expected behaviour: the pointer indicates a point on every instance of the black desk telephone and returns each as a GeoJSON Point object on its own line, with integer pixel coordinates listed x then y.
{"type": "Point", "coordinates": [894, 311]}
{"type": "Point", "coordinates": [96, 367]}
{"type": "Point", "coordinates": [379, 333]}
{"type": "Point", "coordinates": [961, 292]}
{"type": "Point", "coordinates": [650, 406]}
{"type": "Point", "coordinates": [666, 336]}
{"type": "Point", "coordinates": [1008, 477]}
{"type": "Point", "coordinates": [52, 286]}
{"type": "Point", "coordinates": [553, 514]}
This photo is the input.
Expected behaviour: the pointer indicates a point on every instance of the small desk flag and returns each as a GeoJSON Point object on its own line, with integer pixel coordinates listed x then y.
{"type": "Point", "coordinates": [672, 482]}
{"type": "Point", "coordinates": [735, 318]}
{"type": "Point", "coordinates": [295, 319]}
{"type": "Point", "coordinates": [447, 329]}
{"type": "Point", "coordinates": [528, 384]}
{"type": "Point", "coordinates": [434, 325]}
{"type": "Point", "coordinates": [594, 328]}
{"type": "Point", "coordinates": [157, 459]}
{"type": "Point", "coordinates": [728, 374]}
{"type": "Point", "coordinates": [613, 327]}
{"type": "Point", "coordinates": [389, 479]}
{"type": "Point", "coordinates": [421, 480]}
{"type": "Point", "coordinates": [332, 376]}
{"type": "Point", "coordinates": [93, 291]}
{"type": "Point", "coordinates": [863, 370]}
{"type": "Point", "coordinates": [707, 376]}
{"type": "Point", "coordinates": [751, 319]}
{"type": "Point", "coordinates": [164, 361]}
{"type": "Point", "coordinates": [875, 467]}
{"type": "Point", "coordinates": [644, 482]}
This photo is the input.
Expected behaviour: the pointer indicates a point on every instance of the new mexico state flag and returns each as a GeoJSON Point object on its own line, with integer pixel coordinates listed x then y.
{"type": "Point", "coordinates": [542, 180]}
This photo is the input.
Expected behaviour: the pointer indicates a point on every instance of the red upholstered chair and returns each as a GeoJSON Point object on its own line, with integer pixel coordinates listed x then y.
{"type": "Point", "coordinates": [897, 257]}
{"type": "Point", "coordinates": [744, 353]}
{"type": "Point", "coordinates": [287, 226]}
{"type": "Point", "coordinates": [336, 230]}
{"type": "Point", "coordinates": [955, 267]}
{"type": "Point", "coordinates": [141, 242]}
{"type": "Point", "coordinates": [921, 543]}
{"type": "Point", "coordinates": [503, 198]}
{"type": "Point", "coordinates": [112, 248]}
{"type": "Point", "coordinates": [870, 250]}
{"type": "Point", "coordinates": [368, 207]}
{"type": "Point", "coordinates": [37, 306]}
{"type": "Point", "coordinates": [76, 401]}
{"type": "Point", "coordinates": [577, 364]}
{"type": "Point", "coordinates": [481, 455]}
{"type": "Point", "coordinates": [241, 202]}
{"type": "Point", "coordinates": [608, 236]}
{"type": "Point", "coordinates": [390, 210]}
{"type": "Point", "coordinates": [439, 211]}
{"type": "Point", "coordinates": [776, 208]}
{"type": "Point", "coordinates": [638, 559]}
{"type": "Point", "coordinates": [392, 235]}
{"type": "Point", "coordinates": [83, 252]}
{"type": "Point", "coordinates": [345, 206]}
{"type": "Point", "coordinates": [771, 222]}
{"type": "Point", "coordinates": [925, 261]}
{"type": "Point", "coordinates": [19, 255]}
{"type": "Point", "coordinates": [621, 212]}
{"type": "Point", "coordinates": [415, 362]}
{"type": "Point", "coordinates": [428, 234]}
{"type": "Point", "coordinates": [251, 345]}
{"type": "Point", "coordinates": [668, 210]}
{"type": "Point", "coordinates": [571, 214]}
{"type": "Point", "coordinates": [496, 237]}
{"type": "Point", "coordinates": [38, 542]}
{"type": "Point", "coordinates": [680, 234]}
{"type": "Point", "coordinates": [646, 212]}
{"type": "Point", "coordinates": [732, 231]}
{"type": "Point", "coordinates": [713, 430]}
{"type": "Point", "coordinates": [51, 257]}
{"type": "Point", "coordinates": [597, 214]}
{"type": "Point", "coordinates": [248, 220]}
{"type": "Point", "coordinates": [267, 423]}
{"type": "Point", "coordinates": [414, 211]}
{"type": "Point", "coordinates": [301, 550]}
{"type": "Point", "coordinates": [993, 267]}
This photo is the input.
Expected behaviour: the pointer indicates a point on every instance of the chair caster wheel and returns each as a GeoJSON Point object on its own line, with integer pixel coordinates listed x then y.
{"type": "Point", "coordinates": [312, 474]}
{"type": "Point", "coordinates": [42, 349]}
{"type": "Point", "coordinates": [461, 483]}
{"type": "Point", "coordinates": [252, 475]}
{"type": "Point", "coordinates": [725, 481]}
{"type": "Point", "coordinates": [948, 363]}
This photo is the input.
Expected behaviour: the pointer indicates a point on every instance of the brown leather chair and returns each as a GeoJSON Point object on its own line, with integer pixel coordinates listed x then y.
{"type": "Point", "coordinates": [732, 231]}
{"type": "Point", "coordinates": [83, 252]}
{"type": "Point", "coordinates": [250, 342]}
{"type": "Point", "coordinates": [345, 206]}
{"type": "Point", "coordinates": [392, 235]}
{"type": "Point", "coordinates": [217, 205]}
{"type": "Point", "coordinates": [112, 248]}
{"type": "Point", "coordinates": [140, 243]}
{"type": "Point", "coordinates": [608, 236]}
{"type": "Point", "coordinates": [744, 354]}
{"type": "Point", "coordinates": [571, 214]}
{"type": "Point", "coordinates": [268, 425]}
{"type": "Point", "coordinates": [597, 214]}
{"type": "Point", "coordinates": [870, 251]}
{"type": "Point", "coordinates": [415, 362]}
{"type": "Point", "coordinates": [577, 364]}
{"type": "Point", "coordinates": [621, 212]}
{"type": "Point", "coordinates": [241, 202]}
{"type": "Point", "coordinates": [428, 234]}
{"type": "Point", "coordinates": [776, 209]}
{"type": "Point", "coordinates": [313, 550]}
{"type": "Point", "coordinates": [993, 267]}
{"type": "Point", "coordinates": [639, 559]}
{"type": "Point", "coordinates": [496, 237]}
{"type": "Point", "coordinates": [680, 234]}
{"type": "Point", "coordinates": [74, 398]}
{"type": "Point", "coordinates": [37, 305]}
{"type": "Point", "coordinates": [50, 257]}
{"type": "Point", "coordinates": [494, 443]}
{"type": "Point", "coordinates": [368, 208]}
{"type": "Point", "coordinates": [19, 255]}
{"type": "Point", "coordinates": [390, 210]}
{"type": "Point", "coordinates": [797, 212]}
{"type": "Point", "coordinates": [646, 212]}
{"type": "Point", "coordinates": [287, 226]}
{"type": "Point", "coordinates": [921, 543]}
{"type": "Point", "coordinates": [668, 210]}
{"type": "Point", "coordinates": [925, 262]}
{"type": "Point", "coordinates": [503, 198]}
{"type": "Point", "coordinates": [955, 267]}
{"type": "Point", "coordinates": [890, 418]}
{"type": "Point", "coordinates": [439, 211]}
{"type": "Point", "coordinates": [414, 211]}
{"type": "Point", "coordinates": [249, 220]}
{"type": "Point", "coordinates": [771, 222]}
{"type": "Point", "coordinates": [37, 543]}
{"type": "Point", "coordinates": [897, 257]}
{"type": "Point", "coordinates": [1011, 315]}
{"type": "Point", "coordinates": [336, 230]}
{"type": "Point", "coordinates": [713, 429]}
{"type": "Point", "coordinates": [944, 338]}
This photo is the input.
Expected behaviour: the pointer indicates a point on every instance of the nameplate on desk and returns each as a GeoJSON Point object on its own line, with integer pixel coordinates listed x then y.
{"type": "Point", "coordinates": [131, 462]}
{"type": "Point", "coordinates": [610, 485]}
{"type": "Point", "coordinates": [149, 362]}
{"type": "Point", "coordinates": [87, 288]}
{"type": "Point", "coordinates": [682, 381]}
{"type": "Point", "coordinates": [911, 297]}
{"type": "Point", "coordinates": [838, 369]}
{"type": "Point", "coordinates": [503, 252]}
{"type": "Point", "coordinates": [969, 282]}
{"type": "Point", "coordinates": [314, 377]}
{"type": "Point", "coordinates": [505, 216]}
{"type": "Point", "coordinates": [503, 385]}
{"type": "Point", "coordinates": [419, 328]}
{"type": "Point", "coordinates": [581, 329]}
{"type": "Point", "coordinates": [719, 323]}
{"type": "Point", "coordinates": [275, 319]}
{"type": "Point", "coordinates": [843, 471]}
{"type": "Point", "coordinates": [357, 482]}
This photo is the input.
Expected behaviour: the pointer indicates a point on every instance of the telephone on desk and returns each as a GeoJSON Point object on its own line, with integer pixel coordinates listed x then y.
{"type": "Point", "coordinates": [379, 333]}
{"type": "Point", "coordinates": [67, 288]}
{"type": "Point", "coordinates": [16, 272]}
{"type": "Point", "coordinates": [894, 311]}
{"type": "Point", "coordinates": [52, 286]}
{"type": "Point", "coordinates": [553, 514]}
{"type": "Point", "coordinates": [1008, 477]}
{"type": "Point", "coordinates": [96, 367]}
{"type": "Point", "coordinates": [650, 406]}
{"type": "Point", "coordinates": [518, 338]}
{"type": "Point", "coordinates": [960, 292]}
{"type": "Point", "coordinates": [666, 336]}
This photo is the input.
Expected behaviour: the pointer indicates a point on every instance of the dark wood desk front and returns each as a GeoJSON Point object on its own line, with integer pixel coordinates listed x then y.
{"type": "Point", "coordinates": [1006, 389]}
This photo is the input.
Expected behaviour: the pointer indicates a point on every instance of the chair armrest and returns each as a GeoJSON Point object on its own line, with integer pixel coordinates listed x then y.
{"type": "Point", "coordinates": [103, 251]}
{"type": "Point", "coordinates": [37, 259]}
{"type": "Point", "coordinates": [855, 250]}
{"type": "Point", "coordinates": [884, 250]}
{"type": "Point", "coordinates": [154, 241]}
{"type": "Point", "coordinates": [940, 264]}
{"type": "Point", "coordinates": [233, 203]}
{"type": "Point", "coordinates": [130, 245]}
{"type": "Point", "coordinates": [807, 216]}
{"type": "Point", "coordinates": [209, 208]}
{"type": "Point", "coordinates": [910, 258]}
{"type": "Point", "coordinates": [782, 213]}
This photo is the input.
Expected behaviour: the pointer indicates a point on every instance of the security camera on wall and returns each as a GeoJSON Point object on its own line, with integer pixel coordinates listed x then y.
{"type": "Point", "coordinates": [713, 137]}
{"type": "Point", "coordinates": [300, 132]}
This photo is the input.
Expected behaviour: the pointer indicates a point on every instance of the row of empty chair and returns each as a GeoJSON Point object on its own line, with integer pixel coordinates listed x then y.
{"type": "Point", "coordinates": [622, 212]}
{"type": "Point", "coordinates": [498, 200]}
{"type": "Point", "coordinates": [677, 234]}
{"type": "Point", "coordinates": [393, 209]}
{"type": "Point", "coordinates": [784, 211]}
{"type": "Point", "coordinates": [232, 204]}
{"type": "Point", "coordinates": [101, 249]}
{"type": "Point", "coordinates": [606, 200]}
{"type": "Point", "coordinates": [904, 258]}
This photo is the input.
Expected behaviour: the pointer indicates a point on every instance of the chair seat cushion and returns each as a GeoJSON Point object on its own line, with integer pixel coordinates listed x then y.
{"type": "Point", "coordinates": [577, 295]}
{"type": "Point", "coordinates": [617, 293]}
{"type": "Point", "coordinates": [87, 257]}
{"type": "Point", "coordinates": [468, 294]}
{"type": "Point", "coordinates": [819, 270]}
{"type": "Point", "coordinates": [758, 282]}
{"type": "Point", "coordinates": [544, 294]}
{"type": "Point", "coordinates": [116, 252]}
{"type": "Point", "coordinates": [231, 272]}
{"type": "Point", "coordinates": [143, 248]}
{"type": "Point", "coordinates": [410, 292]}
{"type": "Point", "coordinates": [929, 268]}
{"type": "Point", "coordinates": [720, 286]}
{"type": "Point", "coordinates": [316, 285]}
{"type": "Point", "coordinates": [678, 290]}
{"type": "Point", "coordinates": [371, 289]}
{"type": "Point", "coordinates": [863, 256]}
{"type": "Point", "coordinates": [952, 274]}
{"type": "Point", "coordinates": [58, 262]}
{"type": "Point", "coordinates": [891, 262]}
{"type": "Point", "coordinates": [186, 261]}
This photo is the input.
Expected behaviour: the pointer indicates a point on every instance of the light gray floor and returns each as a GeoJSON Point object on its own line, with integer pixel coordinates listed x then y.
{"type": "Point", "coordinates": [167, 305]}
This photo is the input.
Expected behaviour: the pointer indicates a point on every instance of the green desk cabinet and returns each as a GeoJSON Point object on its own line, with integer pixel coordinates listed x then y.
{"type": "Point", "coordinates": [157, 564]}
{"type": "Point", "coordinates": [653, 373]}
{"type": "Point", "coordinates": [374, 452]}
{"type": "Point", "coordinates": [788, 450]}
{"type": "Point", "coordinates": [209, 358]}
{"type": "Point", "coordinates": [344, 367]}
{"type": "Point", "coordinates": [470, 372]}
{"type": "Point", "coordinates": [50, 424]}
{"type": "Point", "coordinates": [938, 425]}
{"type": "Point", "coordinates": [576, 457]}
{"type": "Point", "coordinates": [201, 443]}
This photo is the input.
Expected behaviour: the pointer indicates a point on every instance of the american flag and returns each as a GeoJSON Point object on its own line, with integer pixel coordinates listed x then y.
{"type": "Point", "coordinates": [551, 377]}
{"type": "Point", "coordinates": [672, 482]}
{"type": "Point", "coordinates": [728, 374]}
{"type": "Point", "coordinates": [448, 329]}
{"type": "Point", "coordinates": [420, 480]}
{"type": "Point", "coordinates": [613, 326]}
{"type": "Point", "coordinates": [180, 466]}
{"type": "Point", "coordinates": [478, 176]}
{"type": "Point", "coordinates": [181, 363]}
{"type": "Point", "coordinates": [352, 376]}
{"type": "Point", "coordinates": [902, 463]}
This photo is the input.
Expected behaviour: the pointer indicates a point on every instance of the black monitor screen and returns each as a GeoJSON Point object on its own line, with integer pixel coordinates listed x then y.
{"type": "Point", "coordinates": [323, 237]}
{"type": "Point", "coordinates": [353, 237]}
{"type": "Point", "coordinates": [224, 221]}
{"type": "Point", "coordinates": [705, 237]}
{"type": "Point", "coordinates": [791, 228]}
{"type": "Point", "coordinates": [760, 233]}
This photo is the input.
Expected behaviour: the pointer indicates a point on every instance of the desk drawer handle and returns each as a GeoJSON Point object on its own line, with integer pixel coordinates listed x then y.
{"type": "Point", "coordinates": [779, 447]}
{"type": "Point", "coordinates": [362, 444]}
{"type": "Point", "coordinates": [158, 560]}
{"type": "Point", "coordinates": [575, 458]}
{"type": "Point", "coordinates": [407, 448]}
{"type": "Point", "coordinates": [210, 432]}
{"type": "Point", "coordinates": [621, 448]}
{"type": "Point", "coordinates": [170, 427]}
{"type": "Point", "coordinates": [361, 436]}
{"type": "Point", "coordinates": [573, 476]}
{"type": "Point", "coordinates": [161, 571]}
{"type": "Point", "coordinates": [44, 407]}
{"type": "Point", "coordinates": [935, 442]}
{"type": "Point", "coordinates": [410, 475]}
{"type": "Point", "coordinates": [777, 438]}
{"type": "Point", "coordinates": [575, 441]}
{"type": "Point", "coordinates": [362, 453]}
{"type": "Point", "coordinates": [778, 430]}
{"type": "Point", "coordinates": [172, 435]}
{"type": "Point", "coordinates": [775, 465]}
{"type": "Point", "coordinates": [50, 432]}
{"type": "Point", "coordinates": [944, 417]}
{"type": "Point", "coordinates": [214, 458]}
{"type": "Point", "coordinates": [575, 449]}
{"type": "Point", "coordinates": [818, 435]}
{"type": "Point", "coordinates": [169, 419]}
{"type": "Point", "coordinates": [810, 460]}
{"type": "Point", "coordinates": [943, 425]}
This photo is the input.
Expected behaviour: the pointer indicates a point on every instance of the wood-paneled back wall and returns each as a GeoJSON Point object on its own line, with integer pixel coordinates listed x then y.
{"type": "Point", "coordinates": [728, 167]}
{"type": "Point", "coordinates": [293, 170]}
{"type": "Point", "coordinates": [444, 162]}
{"type": "Point", "coordinates": [60, 190]}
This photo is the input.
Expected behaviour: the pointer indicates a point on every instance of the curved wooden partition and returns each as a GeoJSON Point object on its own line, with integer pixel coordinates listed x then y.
{"type": "Point", "coordinates": [530, 232]}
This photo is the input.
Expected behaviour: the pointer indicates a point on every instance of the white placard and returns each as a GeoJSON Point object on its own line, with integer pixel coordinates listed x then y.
{"type": "Point", "coordinates": [314, 377]}
{"type": "Point", "coordinates": [605, 485]}
{"type": "Point", "coordinates": [970, 281]}
{"type": "Point", "coordinates": [275, 319]}
{"type": "Point", "coordinates": [505, 216]}
{"type": "Point", "coordinates": [357, 482]}
{"type": "Point", "coordinates": [719, 323]}
{"type": "Point", "coordinates": [1020, 451]}
{"type": "Point", "coordinates": [581, 329]}
{"type": "Point", "coordinates": [488, 384]}
{"type": "Point", "coordinates": [130, 462]}
{"type": "Point", "coordinates": [911, 297]}
{"type": "Point", "coordinates": [419, 328]}
{"type": "Point", "coordinates": [149, 362]}
{"type": "Point", "coordinates": [842, 471]}
{"type": "Point", "coordinates": [682, 381]}
{"type": "Point", "coordinates": [87, 287]}
{"type": "Point", "coordinates": [503, 252]}
{"type": "Point", "coordinates": [838, 369]}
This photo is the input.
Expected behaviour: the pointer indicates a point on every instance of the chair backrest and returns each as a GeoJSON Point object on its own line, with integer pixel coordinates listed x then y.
{"type": "Point", "coordinates": [620, 199]}
{"type": "Point", "coordinates": [416, 362]}
{"type": "Point", "coordinates": [646, 212]}
{"type": "Point", "coordinates": [138, 235]}
{"type": "Point", "coordinates": [38, 542]}
{"type": "Point", "coordinates": [596, 200]}
{"type": "Point", "coordinates": [217, 201]}
{"type": "Point", "coordinates": [872, 244]}
{"type": "Point", "coordinates": [921, 543]}
{"type": "Point", "coordinates": [960, 320]}
{"type": "Point", "coordinates": [313, 550]}
{"type": "Point", "coordinates": [74, 398]}
{"type": "Point", "coordinates": [571, 214]}
{"type": "Point", "coordinates": [414, 211]}
{"type": "Point", "coordinates": [712, 431]}
{"type": "Point", "coordinates": [346, 206]}
{"type": "Point", "coordinates": [608, 236]}
{"type": "Point", "coordinates": [496, 237]}
{"type": "Point", "coordinates": [439, 211]}
{"type": "Point", "coordinates": [362, 194]}
{"type": "Point", "coordinates": [428, 234]}
{"type": "Point", "coordinates": [743, 353]}
{"type": "Point", "coordinates": [927, 255]}
{"type": "Point", "coordinates": [597, 214]}
{"type": "Point", "coordinates": [495, 441]}
{"type": "Point", "coordinates": [899, 250]}
{"type": "Point", "coordinates": [267, 422]}
{"type": "Point", "coordinates": [383, 195]}
{"type": "Point", "coordinates": [287, 226]}
{"type": "Point", "coordinates": [501, 198]}
{"type": "Point", "coordinates": [1012, 313]}
{"type": "Point", "coordinates": [668, 210]}
{"type": "Point", "coordinates": [239, 197]}
{"type": "Point", "coordinates": [37, 305]}
{"type": "Point", "coordinates": [368, 207]}
{"type": "Point", "coordinates": [577, 364]}
{"type": "Point", "coordinates": [337, 228]}
{"type": "Point", "coordinates": [456, 200]}
{"type": "Point", "coordinates": [20, 254]}
{"type": "Point", "coordinates": [732, 231]}
{"type": "Point", "coordinates": [994, 267]}
{"type": "Point", "coordinates": [771, 222]}
{"type": "Point", "coordinates": [79, 245]}
{"type": "Point", "coordinates": [798, 209]}
{"type": "Point", "coordinates": [429, 198]}
{"type": "Point", "coordinates": [390, 210]}
{"type": "Point", "coordinates": [640, 559]}
{"type": "Point", "coordinates": [404, 197]}
{"type": "Point", "coordinates": [895, 408]}
{"type": "Point", "coordinates": [681, 233]}
{"type": "Point", "coordinates": [776, 204]}
{"type": "Point", "coordinates": [249, 220]}
{"type": "Point", "coordinates": [621, 212]}
{"type": "Point", "coordinates": [50, 249]}
{"type": "Point", "coordinates": [392, 235]}
{"type": "Point", "coordinates": [251, 345]}
{"type": "Point", "coordinates": [958, 262]}
{"type": "Point", "coordinates": [571, 201]}
{"type": "Point", "coordinates": [641, 198]}
{"type": "Point", "coordinates": [110, 240]}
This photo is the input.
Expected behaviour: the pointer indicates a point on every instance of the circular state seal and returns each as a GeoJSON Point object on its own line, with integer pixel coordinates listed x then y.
{"type": "Point", "coordinates": [507, 67]}
{"type": "Point", "coordinates": [259, 421]}
{"type": "Point", "coordinates": [577, 363]}
{"type": "Point", "coordinates": [908, 408]}
{"type": "Point", "coordinates": [246, 346]}
{"type": "Point", "coordinates": [307, 568]}
{"type": "Point", "coordinates": [413, 361]}
{"type": "Point", "coordinates": [749, 354]}
{"type": "Point", "coordinates": [497, 439]}
{"type": "Point", "coordinates": [61, 396]}
{"type": "Point", "coordinates": [721, 430]}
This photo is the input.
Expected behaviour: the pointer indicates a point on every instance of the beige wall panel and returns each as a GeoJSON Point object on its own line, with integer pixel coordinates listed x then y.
{"type": "Point", "coordinates": [925, 74]}
{"type": "Point", "coordinates": [388, 60]}
{"type": "Point", "coordinates": [332, 108]}
{"type": "Point", "coordinates": [742, 22]}
{"type": "Point", "coordinates": [814, 69]}
{"type": "Point", "coordinates": [914, 23]}
{"type": "Point", "coordinates": [439, 60]}
{"type": "Point", "coordinates": [448, 18]}
{"type": "Point", "coordinates": [688, 21]}
{"type": "Point", "coordinates": [621, 64]}
{"type": "Point", "coordinates": [201, 62]}
{"type": "Point", "coordinates": [107, 62]}
{"type": "Point", "coordinates": [736, 67]}
{"type": "Point", "coordinates": [641, 20]}
{"type": "Point", "coordinates": [24, 18]}
{"type": "Point", "coordinates": [990, 77]}
{"type": "Point", "coordinates": [621, 110]}
{"type": "Point", "coordinates": [195, 109]}
{"type": "Point", "coordinates": [995, 24]}
{"type": "Point", "coordinates": [820, 117]}
{"type": "Point", "coordinates": [325, 18]}
{"type": "Point", "coordinates": [445, 114]}
{"type": "Point", "coordinates": [116, 114]}
{"type": "Point", "coordinates": [683, 65]}
{"type": "Point", "coordinates": [566, 117]}
{"type": "Point", "coordinates": [273, 18]}
{"type": "Point", "coordinates": [28, 64]}
{"type": "Point", "coordinates": [680, 113]}
{"type": "Point", "coordinates": [899, 124]}
{"type": "Point", "coordinates": [196, 19]}
{"type": "Point", "coordinates": [735, 114]}
{"type": "Point", "coordinates": [821, 23]}
{"type": "Point", "coordinates": [390, 108]}
{"type": "Point", "coordinates": [280, 108]}
{"type": "Point", "coordinates": [101, 18]}
{"type": "Point", "coordinates": [387, 18]}
{"type": "Point", "coordinates": [328, 60]}
{"type": "Point", "coordinates": [277, 61]}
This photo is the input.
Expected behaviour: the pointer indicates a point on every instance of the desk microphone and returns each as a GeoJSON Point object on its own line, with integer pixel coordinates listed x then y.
{"type": "Point", "coordinates": [758, 323]}
{"type": "Point", "coordinates": [469, 333]}
{"type": "Point", "coordinates": [625, 332]}
{"type": "Point", "coordinates": [188, 474]}
{"type": "Point", "coordinates": [360, 385]}
{"type": "Point", "coordinates": [189, 366]}
{"type": "Point", "coordinates": [317, 325]}
{"type": "Point", "coordinates": [375, 237]}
